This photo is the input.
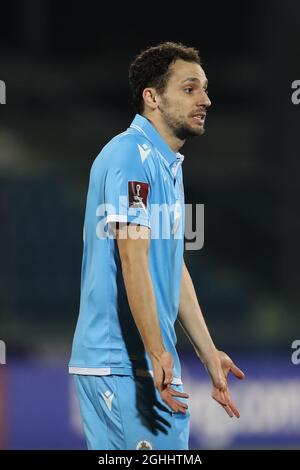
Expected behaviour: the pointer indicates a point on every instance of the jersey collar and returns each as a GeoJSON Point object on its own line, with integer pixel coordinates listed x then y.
{"type": "Point", "coordinates": [144, 126]}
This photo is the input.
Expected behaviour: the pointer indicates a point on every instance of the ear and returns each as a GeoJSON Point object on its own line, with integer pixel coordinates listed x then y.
{"type": "Point", "coordinates": [150, 98]}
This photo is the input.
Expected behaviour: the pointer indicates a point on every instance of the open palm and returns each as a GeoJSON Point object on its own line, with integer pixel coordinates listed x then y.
{"type": "Point", "coordinates": [218, 369]}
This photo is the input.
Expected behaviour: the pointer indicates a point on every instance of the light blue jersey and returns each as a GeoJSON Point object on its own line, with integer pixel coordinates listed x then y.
{"type": "Point", "coordinates": [136, 178]}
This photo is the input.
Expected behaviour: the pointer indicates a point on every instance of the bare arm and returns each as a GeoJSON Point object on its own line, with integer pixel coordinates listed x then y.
{"type": "Point", "coordinates": [134, 243]}
{"type": "Point", "coordinates": [217, 363]}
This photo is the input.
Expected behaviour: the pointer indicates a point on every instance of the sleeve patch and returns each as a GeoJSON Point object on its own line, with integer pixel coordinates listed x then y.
{"type": "Point", "coordinates": [137, 194]}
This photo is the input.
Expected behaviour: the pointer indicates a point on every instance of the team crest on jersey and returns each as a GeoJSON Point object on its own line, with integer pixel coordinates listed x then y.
{"type": "Point", "coordinates": [144, 445]}
{"type": "Point", "coordinates": [137, 194]}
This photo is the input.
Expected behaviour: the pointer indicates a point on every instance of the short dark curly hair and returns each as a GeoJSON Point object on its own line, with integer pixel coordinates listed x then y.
{"type": "Point", "coordinates": [151, 68]}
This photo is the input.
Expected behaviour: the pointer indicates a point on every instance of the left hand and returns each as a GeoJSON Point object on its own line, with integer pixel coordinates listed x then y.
{"type": "Point", "coordinates": [218, 368]}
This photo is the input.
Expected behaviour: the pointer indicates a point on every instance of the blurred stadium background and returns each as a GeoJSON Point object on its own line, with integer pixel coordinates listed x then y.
{"type": "Point", "coordinates": [65, 68]}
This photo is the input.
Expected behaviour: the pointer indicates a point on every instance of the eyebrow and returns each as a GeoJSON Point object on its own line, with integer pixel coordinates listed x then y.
{"type": "Point", "coordinates": [194, 79]}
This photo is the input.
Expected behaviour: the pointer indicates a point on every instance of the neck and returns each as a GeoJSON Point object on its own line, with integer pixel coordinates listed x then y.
{"type": "Point", "coordinates": [164, 130]}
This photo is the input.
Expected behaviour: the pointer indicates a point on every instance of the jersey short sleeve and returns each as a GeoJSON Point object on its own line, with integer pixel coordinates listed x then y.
{"type": "Point", "coordinates": [128, 183]}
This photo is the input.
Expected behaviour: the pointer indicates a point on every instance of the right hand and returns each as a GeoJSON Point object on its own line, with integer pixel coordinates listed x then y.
{"type": "Point", "coordinates": [218, 367]}
{"type": "Point", "coordinates": [163, 376]}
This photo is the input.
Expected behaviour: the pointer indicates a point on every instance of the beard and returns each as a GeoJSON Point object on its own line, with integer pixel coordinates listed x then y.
{"type": "Point", "coordinates": [180, 129]}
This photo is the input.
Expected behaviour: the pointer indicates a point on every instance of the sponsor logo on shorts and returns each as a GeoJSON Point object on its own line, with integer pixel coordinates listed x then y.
{"type": "Point", "coordinates": [144, 445]}
{"type": "Point", "coordinates": [108, 397]}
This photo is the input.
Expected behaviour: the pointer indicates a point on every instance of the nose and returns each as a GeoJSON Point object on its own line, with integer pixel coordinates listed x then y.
{"type": "Point", "coordinates": [206, 99]}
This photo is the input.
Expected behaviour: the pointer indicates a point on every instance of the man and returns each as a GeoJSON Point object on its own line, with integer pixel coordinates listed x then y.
{"type": "Point", "coordinates": [134, 280]}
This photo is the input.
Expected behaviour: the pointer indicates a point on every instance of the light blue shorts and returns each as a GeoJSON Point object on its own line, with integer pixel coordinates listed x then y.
{"type": "Point", "coordinates": [123, 412]}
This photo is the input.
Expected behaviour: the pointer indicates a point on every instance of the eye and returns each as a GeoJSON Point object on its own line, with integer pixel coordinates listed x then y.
{"type": "Point", "coordinates": [188, 90]}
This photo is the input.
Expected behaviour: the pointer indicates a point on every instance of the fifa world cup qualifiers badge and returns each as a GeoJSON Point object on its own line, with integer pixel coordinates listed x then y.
{"type": "Point", "coordinates": [2, 92]}
{"type": "Point", "coordinates": [137, 194]}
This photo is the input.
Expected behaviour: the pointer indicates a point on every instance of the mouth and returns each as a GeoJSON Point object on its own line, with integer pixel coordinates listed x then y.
{"type": "Point", "coordinates": [199, 117]}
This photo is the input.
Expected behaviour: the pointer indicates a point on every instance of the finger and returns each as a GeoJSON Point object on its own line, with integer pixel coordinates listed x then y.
{"type": "Point", "coordinates": [179, 407]}
{"type": "Point", "coordinates": [224, 400]}
{"type": "Point", "coordinates": [234, 410]}
{"type": "Point", "coordinates": [231, 405]}
{"type": "Point", "coordinates": [238, 373]}
{"type": "Point", "coordinates": [182, 407]}
{"type": "Point", "coordinates": [176, 393]}
{"type": "Point", "coordinates": [179, 410]}
{"type": "Point", "coordinates": [178, 402]}
{"type": "Point", "coordinates": [219, 397]}
{"type": "Point", "coordinates": [175, 405]}
{"type": "Point", "coordinates": [228, 410]}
